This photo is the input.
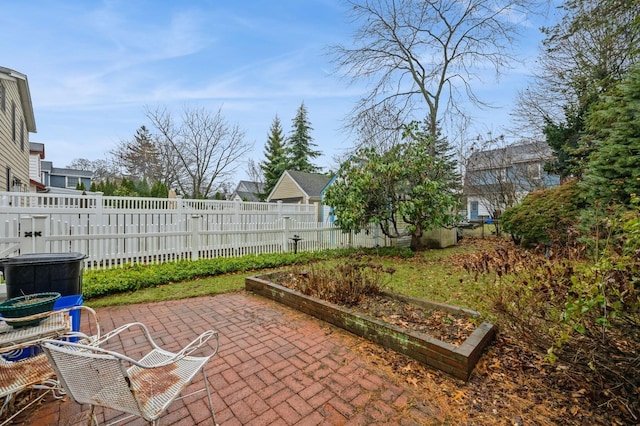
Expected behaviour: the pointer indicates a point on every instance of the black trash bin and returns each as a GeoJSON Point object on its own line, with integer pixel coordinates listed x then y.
{"type": "Point", "coordinates": [43, 272]}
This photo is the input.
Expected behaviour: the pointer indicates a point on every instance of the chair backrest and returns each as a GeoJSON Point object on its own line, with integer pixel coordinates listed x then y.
{"type": "Point", "coordinates": [92, 376]}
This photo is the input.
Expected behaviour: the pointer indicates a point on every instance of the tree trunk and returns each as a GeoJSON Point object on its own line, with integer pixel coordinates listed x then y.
{"type": "Point", "coordinates": [416, 242]}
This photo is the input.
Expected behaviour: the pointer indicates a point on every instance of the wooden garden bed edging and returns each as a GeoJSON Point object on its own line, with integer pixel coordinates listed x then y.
{"type": "Point", "coordinates": [457, 361]}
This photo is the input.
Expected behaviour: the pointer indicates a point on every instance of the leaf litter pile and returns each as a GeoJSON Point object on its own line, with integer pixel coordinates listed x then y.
{"type": "Point", "coordinates": [441, 325]}
{"type": "Point", "coordinates": [358, 284]}
{"type": "Point", "coordinates": [509, 386]}
{"type": "Point", "coordinates": [512, 384]}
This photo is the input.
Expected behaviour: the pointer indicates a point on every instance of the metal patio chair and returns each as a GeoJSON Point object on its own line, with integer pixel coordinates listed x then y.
{"type": "Point", "coordinates": [146, 387]}
{"type": "Point", "coordinates": [22, 363]}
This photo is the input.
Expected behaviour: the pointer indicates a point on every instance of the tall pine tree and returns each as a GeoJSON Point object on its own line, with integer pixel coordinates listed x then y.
{"type": "Point", "coordinates": [140, 157]}
{"type": "Point", "coordinates": [300, 144]}
{"type": "Point", "coordinates": [439, 148]}
{"type": "Point", "coordinates": [275, 162]}
{"type": "Point", "coordinates": [612, 174]}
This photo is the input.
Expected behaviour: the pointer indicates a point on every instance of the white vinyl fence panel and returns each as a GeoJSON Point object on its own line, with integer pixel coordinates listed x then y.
{"type": "Point", "coordinates": [114, 231]}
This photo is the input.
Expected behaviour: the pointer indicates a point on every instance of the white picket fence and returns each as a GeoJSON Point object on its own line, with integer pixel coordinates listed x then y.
{"type": "Point", "coordinates": [115, 231]}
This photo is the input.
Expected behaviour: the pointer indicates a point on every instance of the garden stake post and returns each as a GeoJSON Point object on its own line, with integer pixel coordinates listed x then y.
{"type": "Point", "coordinates": [295, 239]}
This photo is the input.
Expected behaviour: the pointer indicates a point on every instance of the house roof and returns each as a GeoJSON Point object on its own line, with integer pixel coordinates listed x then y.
{"type": "Point", "coordinates": [38, 185]}
{"type": "Point", "coordinates": [25, 97]}
{"type": "Point", "coordinates": [310, 183]}
{"type": "Point", "coordinates": [522, 152]}
{"type": "Point", "coordinates": [249, 186]}
{"type": "Point", "coordinates": [37, 148]}
{"type": "Point", "coordinates": [71, 172]}
{"type": "Point", "coordinates": [248, 190]}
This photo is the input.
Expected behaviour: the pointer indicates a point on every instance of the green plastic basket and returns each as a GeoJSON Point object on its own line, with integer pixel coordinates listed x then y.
{"type": "Point", "coordinates": [27, 305]}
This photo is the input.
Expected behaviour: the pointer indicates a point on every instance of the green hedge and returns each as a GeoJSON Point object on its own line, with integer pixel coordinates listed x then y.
{"type": "Point", "coordinates": [134, 277]}
{"type": "Point", "coordinates": [545, 216]}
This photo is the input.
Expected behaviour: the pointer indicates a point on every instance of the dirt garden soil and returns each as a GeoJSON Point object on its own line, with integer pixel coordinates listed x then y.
{"type": "Point", "coordinates": [441, 325]}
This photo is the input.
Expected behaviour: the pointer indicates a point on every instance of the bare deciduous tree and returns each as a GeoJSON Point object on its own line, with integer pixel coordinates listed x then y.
{"type": "Point", "coordinates": [202, 149]}
{"type": "Point", "coordinates": [593, 45]}
{"type": "Point", "coordinates": [379, 128]}
{"type": "Point", "coordinates": [423, 58]}
{"type": "Point", "coordinates": [102, 169]}
{"type": "Point", "coordinates": [254, 172]}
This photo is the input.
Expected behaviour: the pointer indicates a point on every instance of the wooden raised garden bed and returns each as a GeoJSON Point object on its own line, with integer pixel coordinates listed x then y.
{"type": "Point", "coordinates": [458, 361]}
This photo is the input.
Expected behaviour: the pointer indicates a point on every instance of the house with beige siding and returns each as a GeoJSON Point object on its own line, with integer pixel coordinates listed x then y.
{"type": "Point", "coordinates": [16, 122]}
{"type": "Point", "coordinates": [299, 187]}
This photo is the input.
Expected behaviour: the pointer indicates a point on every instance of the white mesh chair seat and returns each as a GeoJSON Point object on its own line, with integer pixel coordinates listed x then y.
{"type": "Point", "coordinates": [23, 374]}
{"type": "Point", "coordinates": [54, 323]}
{"type": "Point", "coordinates": [96, 376]}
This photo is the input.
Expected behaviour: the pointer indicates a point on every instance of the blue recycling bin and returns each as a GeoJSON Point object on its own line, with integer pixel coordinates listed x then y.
{"type": "Point", "coordinates": [70, 302]}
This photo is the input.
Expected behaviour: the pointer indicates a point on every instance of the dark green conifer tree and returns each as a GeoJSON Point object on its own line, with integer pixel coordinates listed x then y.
{"type": "Point", "coordinates": [300, 146]}
{"type": "Point", "coordinates": [275, 162]}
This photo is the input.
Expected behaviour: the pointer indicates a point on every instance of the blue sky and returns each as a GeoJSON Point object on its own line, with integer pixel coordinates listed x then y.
{"type": "Point", "coordinates": [94, 66]}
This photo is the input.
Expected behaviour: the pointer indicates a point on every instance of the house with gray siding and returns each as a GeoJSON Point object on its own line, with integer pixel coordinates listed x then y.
{"type": "Point", "coordinates": [496, 179]}
{"type": "Point", "coordinates": [57, 177]}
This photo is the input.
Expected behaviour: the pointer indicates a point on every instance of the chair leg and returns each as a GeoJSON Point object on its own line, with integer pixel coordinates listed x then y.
{"type": "Point", "coordinates": [206, 385]}
{"type": "Point", "coordinates": [90, 421]}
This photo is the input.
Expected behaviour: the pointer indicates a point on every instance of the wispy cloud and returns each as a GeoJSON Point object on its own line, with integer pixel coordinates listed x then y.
{"type": "Point", "coordinates": [94, 65]}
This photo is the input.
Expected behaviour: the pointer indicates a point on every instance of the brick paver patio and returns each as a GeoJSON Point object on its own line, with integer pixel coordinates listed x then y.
{"type": "Point", "coordinates": [275, 366]}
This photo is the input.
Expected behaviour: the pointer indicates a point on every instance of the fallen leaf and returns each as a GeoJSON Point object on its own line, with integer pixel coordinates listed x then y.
{"type": "Point", "coordinates": [459, 395]}
{"type": "Point", "coordinates": [579, 393]}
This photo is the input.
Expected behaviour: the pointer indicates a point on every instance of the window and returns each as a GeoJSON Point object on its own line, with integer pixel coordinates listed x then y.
{"type": "Point", "coordinates": [534, 170]}
{"type": "Point", "coordinates": [8, 189]}
{"type": "Point", "coordinates": [13, 121]}
{"type": "Point", "coordinates": [73, 182]}
{"type": "Point", "coordinates": [57, 181]}
{"type": "Point", "coordinates": [3, 97]}
{"type": "Point", "coordinates": [474, 210]}
{"type": "Point", "coordinates": [22, 135]}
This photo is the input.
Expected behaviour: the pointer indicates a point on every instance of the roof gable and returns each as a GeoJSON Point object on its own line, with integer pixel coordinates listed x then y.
{"type": "Point", "coordinates": [25, 97]}
{"type": "Point", "coordinates": [248, 190]}
{"type": "Point", "coordinates": [249, 186]}
{"type": "Point", "coordinates": [509, 155]}
{"type": "Point", "coordinates": [311, 184]}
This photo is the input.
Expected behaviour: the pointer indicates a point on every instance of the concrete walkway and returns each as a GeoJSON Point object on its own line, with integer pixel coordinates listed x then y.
{"type": "Point", "coordinates": [275, 366]}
